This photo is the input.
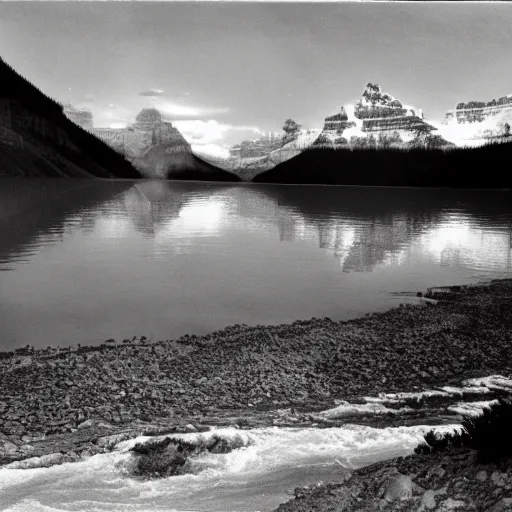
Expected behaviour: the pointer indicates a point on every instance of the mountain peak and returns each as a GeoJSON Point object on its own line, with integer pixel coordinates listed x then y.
{"type": "Point", "coordinates": [148, 118]}
{"type": "Point", "coordinates": [374, 97]}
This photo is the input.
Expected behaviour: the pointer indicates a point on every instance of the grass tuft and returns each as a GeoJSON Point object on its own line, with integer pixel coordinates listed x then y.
{"type": "Point", "coordinates": [490, 434]}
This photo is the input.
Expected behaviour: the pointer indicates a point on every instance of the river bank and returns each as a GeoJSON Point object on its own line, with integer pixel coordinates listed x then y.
{"type": "Point", "coordinates": [439, 483]}
{"type": "Point", "coordinates": [69, 404]}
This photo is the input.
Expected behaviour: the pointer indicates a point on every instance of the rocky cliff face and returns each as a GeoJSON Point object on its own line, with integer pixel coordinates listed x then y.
{"type": "Point", "coordinates": [155, 147]}
{"type": "Point", "coordinates": [250, 158]}
{"type": "Point", "coordinates": [476, 123]}
{"type": "Point", "coordinates": [377, 120]}
{"type": "Point", "coordinates": [256, 148]}
{"type": "Point", "coordinates": [37, 139]}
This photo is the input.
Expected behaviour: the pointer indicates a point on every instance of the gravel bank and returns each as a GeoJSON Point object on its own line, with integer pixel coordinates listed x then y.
{"type": "Point", "coordinates": [72, 401]}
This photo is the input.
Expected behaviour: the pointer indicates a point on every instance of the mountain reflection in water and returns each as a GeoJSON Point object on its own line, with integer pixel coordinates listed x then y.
{"type": "Point", "coordinates": [88, 260]}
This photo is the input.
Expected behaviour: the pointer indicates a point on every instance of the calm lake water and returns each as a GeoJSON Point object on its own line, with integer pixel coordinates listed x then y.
{"type": "Point", "coordinates": [83, 261]}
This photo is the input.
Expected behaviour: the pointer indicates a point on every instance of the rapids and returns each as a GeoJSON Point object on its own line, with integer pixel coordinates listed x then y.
{"type": "Point", "coordinates": [257, 476]}
{"type": "Point", "coordinates": [253, 478]}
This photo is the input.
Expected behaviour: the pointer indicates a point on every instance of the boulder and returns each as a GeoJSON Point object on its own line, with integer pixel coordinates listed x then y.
{"type": "Point", "coordinates": [111, 441]}
{"type": "Point", "coordinates": [399, 488]}
{"type": "Point", "coordinates": [9, 448]}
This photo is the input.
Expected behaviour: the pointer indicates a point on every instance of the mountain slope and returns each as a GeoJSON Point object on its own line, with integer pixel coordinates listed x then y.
{"type": "Point", "coordinates": [37, 139]}
{"type": "Point", "coordinates": [280, 150]}
{"type": "Point", "coordinates": [480, 167]}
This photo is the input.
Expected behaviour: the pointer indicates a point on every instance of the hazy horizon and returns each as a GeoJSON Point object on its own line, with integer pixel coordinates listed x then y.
{"type": "Point", "coordinates": [223, 72]}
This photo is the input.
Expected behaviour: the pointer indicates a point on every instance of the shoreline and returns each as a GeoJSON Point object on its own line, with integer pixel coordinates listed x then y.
{"type": "Point", "coordinates": [242, 182]}
{"type": "Point", "coordinates": [73, 404]}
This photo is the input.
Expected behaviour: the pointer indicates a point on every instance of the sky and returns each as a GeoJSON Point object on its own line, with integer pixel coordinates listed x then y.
{"type": "Point", "coordinates": [223, 72]}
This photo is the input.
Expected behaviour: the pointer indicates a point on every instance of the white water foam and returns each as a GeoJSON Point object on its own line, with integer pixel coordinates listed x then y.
{"type": "Point", "coordinates": [493, 382]}
{"type": "Point", "coordinates": [345, 409]}
{"type": "Point", "coordinates": [472, 408]}
{"type": "Point", "coordinates": [254, 477]}
{"type": "Point", "coordinates": [475, 386]}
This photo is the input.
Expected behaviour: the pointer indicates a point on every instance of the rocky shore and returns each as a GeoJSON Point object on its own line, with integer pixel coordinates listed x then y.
{"type": "Point", "coordinates": [419, 483]}
{"type": "Point", "coordinates": [466, 469]}
{"type": "Point", "coordinates": [64, 405]}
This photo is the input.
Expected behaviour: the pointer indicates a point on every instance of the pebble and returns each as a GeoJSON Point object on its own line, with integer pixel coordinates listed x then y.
{"type": "Point", "coordinates": [481, 476]}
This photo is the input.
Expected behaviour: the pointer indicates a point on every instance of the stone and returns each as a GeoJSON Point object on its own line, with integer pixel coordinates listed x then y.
{"type": "Point", "coordinates": [9, 448]}
{"type": "Point", "coordinates": [503, 505]}
{"type": "Point", "coordinates": [111, 441]}
{"type": "Point", "coordinates": [86, 424]}
{"type": "Point", "coordinates": [451, 504]}
{"type": "Point", "coordinates": [190, 428]}
{"type": "Point", "coordinates": [481, 476]}
{"type": "Point", "coordinates": [399, 488]}
{"type": "Point", "coordinates": [499, 479]}
{"type": "Point", "coordinates": [428, 501]}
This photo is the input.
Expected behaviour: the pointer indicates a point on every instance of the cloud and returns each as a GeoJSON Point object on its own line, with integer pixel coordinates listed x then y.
{"type": "Point", "coordinates": [110, 115]}
{"type": "Point", "coordinates": [215, 150]}
{"type": "Point", "coordinates": [186, 112]}
{"type": "Point", "coordinates": [201, 133]}
{"type": "Point", "coordinates": [151, 92]}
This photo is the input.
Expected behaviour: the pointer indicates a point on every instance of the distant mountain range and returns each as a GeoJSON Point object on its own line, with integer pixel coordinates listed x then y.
{"type": "Point", "coordinates": [377, 121]}
{"type": "Point", "coordinates": [379, 141]}
{"type": "Point", "coordinates": [393, 143]}
{"type": "Point", "coordinates": [380, 121]}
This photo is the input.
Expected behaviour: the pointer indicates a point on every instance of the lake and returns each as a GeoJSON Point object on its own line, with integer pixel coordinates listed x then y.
{"type": "Point", "coordinates": [82, 261]}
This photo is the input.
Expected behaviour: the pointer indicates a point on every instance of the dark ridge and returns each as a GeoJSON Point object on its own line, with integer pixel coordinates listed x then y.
{"type": "Point", "coordinates": [456, 168]}
{"type": "Point", "coordinates": [203, 171]}
{"type": "Point", "coordinates": [37, 139]}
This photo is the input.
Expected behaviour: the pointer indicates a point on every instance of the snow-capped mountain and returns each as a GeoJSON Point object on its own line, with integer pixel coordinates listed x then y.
{"type": "Point", "coordinates": [378, 120]}
{"type": "Point", "coordinates": [477, 123]}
